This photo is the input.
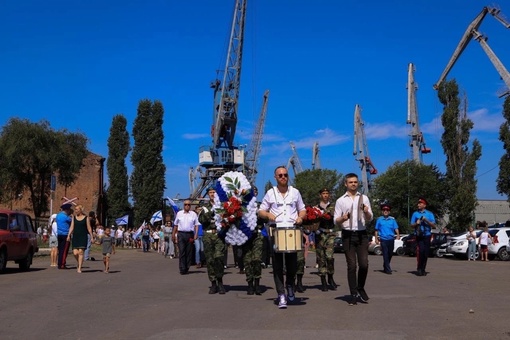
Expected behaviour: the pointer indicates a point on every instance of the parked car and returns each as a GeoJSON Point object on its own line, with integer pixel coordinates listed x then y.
{"type": "Point", "coordinates": [497, 248]}
{"type": "Point", "coordinates": [18, 239]}
{"type": "Point", "coordinates": [436, 240]}
{"type": "Point", "coordinates": [374, 248]}
{"type": "Point", "coordinates": [458, 245]}
{"type": "Point", "coordinates": [398, 248]}
{"type": "Point", "coordinates": [338, 246]}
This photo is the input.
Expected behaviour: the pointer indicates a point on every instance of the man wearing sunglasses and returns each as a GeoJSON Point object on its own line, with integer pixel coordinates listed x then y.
{"type": "Point", "coordinates": [186, 231]}
{"type": "Point", "coordinates": [386, 228]}
{"type": "Point", "coordinates": [282, 205]}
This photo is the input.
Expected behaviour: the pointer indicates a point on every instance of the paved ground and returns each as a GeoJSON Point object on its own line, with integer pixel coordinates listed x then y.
{"type": "Point", "coordinates": [144, 297]}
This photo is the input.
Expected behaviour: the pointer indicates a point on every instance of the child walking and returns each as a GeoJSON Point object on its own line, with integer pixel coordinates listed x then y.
{"type": "Point", "coordinates": [108, 243]}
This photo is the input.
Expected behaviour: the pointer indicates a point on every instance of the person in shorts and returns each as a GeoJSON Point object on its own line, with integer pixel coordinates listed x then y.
{"type": "Point", "coordinates": [53, 241]}
{"type": "Point", "coordinates": [108, 243]}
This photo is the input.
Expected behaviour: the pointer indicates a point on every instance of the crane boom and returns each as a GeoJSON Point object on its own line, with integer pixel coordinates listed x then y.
{"type": "Point", "coordinates": [227, 91]}
{"type": "Point", "coordinates": [316, 163]}
{"type": "Point", "coordinates": [472, 32]}
{"type": "Point", "coordinates": [252, 156]}
{"type": "Point", "coordinates": [417, 141]}
{"type": "Point", "coordinates": [222, 156]}
{"type": "Point", "coordinates": [294, 160]}
{"type": "Point", "coordinates": [361, 151]}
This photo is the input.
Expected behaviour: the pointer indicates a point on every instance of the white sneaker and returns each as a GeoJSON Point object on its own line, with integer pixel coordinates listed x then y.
{"type": "Point", "coordinates": [282, 302]}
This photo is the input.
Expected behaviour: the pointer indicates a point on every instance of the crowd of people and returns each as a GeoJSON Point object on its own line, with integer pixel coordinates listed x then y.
{"type": "Point", "coordinates": [194, 239]}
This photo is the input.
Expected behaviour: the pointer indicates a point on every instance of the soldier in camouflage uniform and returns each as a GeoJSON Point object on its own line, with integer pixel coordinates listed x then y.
{"type": "Point", "coordinates": [301, 265]}
{"type": "Point", "coordinates": [214, 246]}
{"type": "Point", "coordinates": [252, 255]}
{"type": "Point", "coordinates": [325, 242]}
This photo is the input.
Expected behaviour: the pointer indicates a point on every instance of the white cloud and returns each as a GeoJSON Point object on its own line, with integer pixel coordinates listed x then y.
{"type": "Point", "coordinates": [386, 130]}
{"type": "Point", "coordinates": [195, 135]}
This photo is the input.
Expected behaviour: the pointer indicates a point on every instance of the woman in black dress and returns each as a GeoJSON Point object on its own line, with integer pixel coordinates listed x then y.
{"type": "Point", "coordinates": [80, 227]}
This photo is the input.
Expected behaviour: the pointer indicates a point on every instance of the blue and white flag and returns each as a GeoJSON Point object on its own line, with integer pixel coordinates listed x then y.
{"type": "Point", "coordinates": [138, 231]}
{"type": "Point", "coordinates": [158, 216]}
{"type": "Point", "coordinates": [172, 204]}
{"type": "Point", "coordinates": [122, 220]}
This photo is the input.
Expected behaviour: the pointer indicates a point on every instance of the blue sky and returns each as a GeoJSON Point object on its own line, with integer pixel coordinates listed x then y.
{"type": "Point", "coordinates": [79, 63]}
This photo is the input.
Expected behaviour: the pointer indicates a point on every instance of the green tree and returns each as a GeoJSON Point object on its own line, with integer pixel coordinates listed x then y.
{"type": "Point", "coordinates": [402, 184]}
{"type": "Point", "coordinates": [30, 153]}
{"type": "Point", "coordinates": [503, 180]}
{"type": "Point", "coordinates": [460, 161]}
{"type": "Point", "coordinates": [309, 182]}
{"type": "Point", "coordinates": [118, 148]}
{"type": "Point", "coordinates": [148, 177]}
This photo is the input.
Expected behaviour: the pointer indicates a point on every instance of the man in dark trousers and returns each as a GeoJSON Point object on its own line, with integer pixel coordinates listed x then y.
{"type": "Point", "coordinates": [422, 221]}
{"type": "Point", "coordinates": [386, 229]}
{"type": "Point", "coordinates": [185, 231]}
{"type": "Point", "coordinates": [63, 224]}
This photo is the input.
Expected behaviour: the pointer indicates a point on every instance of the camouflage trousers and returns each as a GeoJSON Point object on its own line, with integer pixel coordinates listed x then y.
{"type": "Point", "coordinates": [214, 250]}
{"type": "Point", "coordinates": [325, 253]}
{"type": "Point", "coordinates": [300, 263]}
{"type": "Point", "coordinates": [252, 257]}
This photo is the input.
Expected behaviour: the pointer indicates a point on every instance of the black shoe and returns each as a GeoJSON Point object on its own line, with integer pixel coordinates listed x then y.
{"type": "Point", "coordinates": [331, 282]}
{"type": "Point", "coordinates": [419, 272]}
{"type": "Point", "coordinates": [423, 273]}
{"type": "Point", "coordinates": [299, 286]}
{"type": "Point", "coordinates": [353, 300]}
{"type": "Point", "coordinates": [251, 289]}
{"type": "Point", "coordinates": [257, 287]}
{"type": "Point", "coordinates": [387, 272]}
{"type": "Point", "coordinates": [324, 285]}
{"type": "Point", "coordinates": [363, 295]}
{"type": "Point", "coordinates": [214, 288]}
{"type": "Point", "coordinates": [221, 289]}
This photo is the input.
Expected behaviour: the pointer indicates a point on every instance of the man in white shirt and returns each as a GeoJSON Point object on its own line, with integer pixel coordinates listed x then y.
{"type": "Point", "coordinates": [283, 206]}
{"type": "Point", "coordinates": [186, 231]}
{"type": "Point", "coordinates": [353, 212]}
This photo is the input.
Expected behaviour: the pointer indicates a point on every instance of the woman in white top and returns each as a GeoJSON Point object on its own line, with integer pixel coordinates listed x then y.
{"type": "Point", "coordinates": [471, 236]}
{"type": "Point", "coordinates": [483, 242]}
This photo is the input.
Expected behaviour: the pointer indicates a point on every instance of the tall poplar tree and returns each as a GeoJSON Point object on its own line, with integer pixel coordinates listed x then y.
{"type": "Point", "coordinates": [148, 177]}
{"type": "Point", "coordinates": [118, 148]}
{"type": "Point", "coordinates": [503, 181]}
{"type": "Point", "coordinates": [460, 161]}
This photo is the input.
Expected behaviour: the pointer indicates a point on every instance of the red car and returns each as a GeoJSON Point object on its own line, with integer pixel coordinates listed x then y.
{"type": "Point", "coordinates": [18, 239]}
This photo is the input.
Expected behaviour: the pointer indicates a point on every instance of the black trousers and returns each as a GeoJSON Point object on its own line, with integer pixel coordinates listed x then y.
{"type": "Point", "coordinates": [63, 248]}
{"type": "Point", "coordinates": [422, 251]}
{"type": "Point", "coordinates": [356, 250]}
{"type": "Point", "coordinates": [185, 244]}
{"type": "Point", "coordinates": [290, 266]}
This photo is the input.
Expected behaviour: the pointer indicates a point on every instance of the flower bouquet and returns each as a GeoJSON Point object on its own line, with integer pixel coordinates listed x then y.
{"type": "Point", "coordinates": [313, 218]}
{"type": "Point", "coordinates": [235, 208]}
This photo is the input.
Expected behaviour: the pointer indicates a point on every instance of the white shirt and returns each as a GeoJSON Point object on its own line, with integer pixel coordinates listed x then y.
{"type": "Point", "coordinates": [285, 207]}
{"type": "Point", "coordinates": [484, 238]}
{"type": "Point", "coordinates": [53, 221]}
{"type": "Point", "coordinates": [186, 221]}
{"type": "Point", "coordinates": [347, 204]}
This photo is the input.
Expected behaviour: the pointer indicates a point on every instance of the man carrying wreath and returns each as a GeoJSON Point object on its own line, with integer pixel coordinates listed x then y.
{"type": "Point", "coordinates": [283, 205]}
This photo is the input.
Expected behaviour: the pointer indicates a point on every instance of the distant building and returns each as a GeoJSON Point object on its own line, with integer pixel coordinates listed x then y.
{"type": "Point", "coordinates": [492, 211]}
{"type": "Point", "coordinates": [88, 189]}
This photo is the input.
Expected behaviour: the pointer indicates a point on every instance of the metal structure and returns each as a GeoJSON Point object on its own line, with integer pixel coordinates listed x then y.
{"type": "Point", "coordinates": [416, 140]}
{"type": "Point", "coordinates": [253, 153]}
{"type": "Point", "coordinates": [472, 32]}
{"type": "Point", "coordinates": [223, 156]}
{"type": "Point", "coordinates": [294, 161]}
{"type": "Point", "coordinates": [316, 163]}
{"type": "Point", "coordinates": [361, 151]}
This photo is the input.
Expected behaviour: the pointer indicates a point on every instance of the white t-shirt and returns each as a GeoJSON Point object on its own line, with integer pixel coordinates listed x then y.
{"type": "Point", "coordinates": [285, 207]}
{"type": "Point", "coordinates": [484, 238]}
{"type": "Point", "coordinates": [53, 221]}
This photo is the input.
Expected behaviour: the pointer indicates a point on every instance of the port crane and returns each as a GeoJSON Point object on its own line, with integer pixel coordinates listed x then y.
{"type": "Point", "coordinates": [361, 151]}
{"type": "Point", "coordinates": [294, 160]}
{"type": "Point", "coordinates": [316, 163]}
{"type": "Point", "coordinates": [472, 33]}
{"type": "Point", "coordinates": [223, 156]}
{"type": "Point", "coordinates": [417, 141]}
{"type": "Point", "coordinates": [253, 154]}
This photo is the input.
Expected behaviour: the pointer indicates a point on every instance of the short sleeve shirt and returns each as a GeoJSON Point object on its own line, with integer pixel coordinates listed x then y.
{"type": "Point", "coordinates": [285, 207]}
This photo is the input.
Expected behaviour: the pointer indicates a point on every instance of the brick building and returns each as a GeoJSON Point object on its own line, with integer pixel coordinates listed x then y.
{"type": "Point", "coordinates": [88, 189]}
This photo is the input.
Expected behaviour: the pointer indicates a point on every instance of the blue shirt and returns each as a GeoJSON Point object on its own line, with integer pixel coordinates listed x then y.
{"type": "Point", "coordinates": [423, 227]}
{"type": "Point", "coordinates": [386, 227]}
{"type": "Point", "coordinates": [63, 223]}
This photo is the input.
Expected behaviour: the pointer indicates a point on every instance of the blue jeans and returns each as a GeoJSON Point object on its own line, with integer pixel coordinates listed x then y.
{"type": "Point", "coordinates": [199, 249]}
{"type": "Point", "coordinates": [387, 252]}
{"type": "Point", "coordinates": [472, 250]}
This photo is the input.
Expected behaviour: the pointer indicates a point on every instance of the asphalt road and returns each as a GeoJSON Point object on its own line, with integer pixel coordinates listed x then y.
{"type": "Point", "coordinates": [144, 297]}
